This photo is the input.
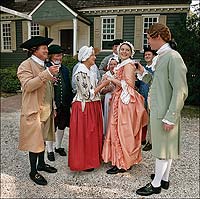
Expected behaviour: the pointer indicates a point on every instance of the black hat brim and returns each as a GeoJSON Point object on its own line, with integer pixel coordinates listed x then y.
{"type": "Point", "coordinates": [35, 42]}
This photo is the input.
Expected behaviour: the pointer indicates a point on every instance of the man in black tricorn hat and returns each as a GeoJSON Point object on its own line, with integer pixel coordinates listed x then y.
{"type": "Point", "coordinates": [104, 62]}
{"type": "Point", "coordinates": [63, 97]}
{"type": "Point", "coordinates": [37, 112]}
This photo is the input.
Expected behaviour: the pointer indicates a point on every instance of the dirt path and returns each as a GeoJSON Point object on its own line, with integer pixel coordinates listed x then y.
{"type": "Point", "coordinates": [11, 104]}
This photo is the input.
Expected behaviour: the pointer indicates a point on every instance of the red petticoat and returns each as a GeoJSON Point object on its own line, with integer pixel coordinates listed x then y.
{"type": "Point", "coordinates": [85, 136]}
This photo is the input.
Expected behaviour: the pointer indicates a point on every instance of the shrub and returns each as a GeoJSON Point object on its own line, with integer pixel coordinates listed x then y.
{"type": "Point", "coordinates": [9, 80]}
{"type": "Point", "coordinates": [187, 36]}
{"type": "Point", "coordinates": [69, 62]}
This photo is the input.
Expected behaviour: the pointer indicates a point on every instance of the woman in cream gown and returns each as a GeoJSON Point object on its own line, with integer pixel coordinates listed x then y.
{"type": "Point", "coordinates": [127, 116]}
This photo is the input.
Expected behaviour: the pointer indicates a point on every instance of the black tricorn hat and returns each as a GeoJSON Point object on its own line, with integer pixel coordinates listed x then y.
{"type": "Point", "coordinates": [55, 49]}
{"type": "Point", "coordinates": [117, 42]}
{"type": "Point", "coordinates": [35, 42]}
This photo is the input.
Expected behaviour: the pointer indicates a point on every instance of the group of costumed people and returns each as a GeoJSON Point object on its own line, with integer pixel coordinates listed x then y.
{"type": "Point", "coordinates": [47, 100]}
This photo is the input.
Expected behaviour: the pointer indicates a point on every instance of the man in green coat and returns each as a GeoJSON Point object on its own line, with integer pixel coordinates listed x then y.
{"type": "Point", "coordinates": [167, 94]}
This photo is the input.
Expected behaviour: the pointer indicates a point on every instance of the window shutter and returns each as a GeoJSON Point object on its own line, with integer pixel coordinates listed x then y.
{"type": "Point", "coordinates": [119, 27]}
{"type": "Point", "coordinates": [42, 30]}
{"type": "Point", "coordinates": [25, 30]}
{"type": "Point", "coordinates": [138, 33]}
{"type": "Point", "coordinates": [163, 19]}
{"type": "Point", "coordinates": [13, 35]}
{"type": "Point", "coordinates": [97, 32]}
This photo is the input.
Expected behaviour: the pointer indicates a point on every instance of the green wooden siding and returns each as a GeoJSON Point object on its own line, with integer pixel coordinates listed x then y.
{"type": "Point", "coordinates": [19, 35]}
{"type": "Point", "coordinates": [91, 30]}
{"type": "Point", "coordinates": [174, 18]}
{"type": "Point", "coordinates": [51, 11]}
{"type": "Point", "coordinates": [16, 57]}
{"type": "Point", "coordinates": [128, 28]}
{"type": "Point", "coordinates": [10, 59]}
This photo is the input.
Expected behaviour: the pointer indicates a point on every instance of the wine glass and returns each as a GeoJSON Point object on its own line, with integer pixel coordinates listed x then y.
{"type": "Point", "coordinates": [57, 63]}
{"type": "Point", "coordinates": [136, 61]}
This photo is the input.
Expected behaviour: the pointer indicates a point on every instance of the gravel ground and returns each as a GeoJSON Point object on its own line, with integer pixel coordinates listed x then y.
{"type": "Point", "coordinates": [15, 182]}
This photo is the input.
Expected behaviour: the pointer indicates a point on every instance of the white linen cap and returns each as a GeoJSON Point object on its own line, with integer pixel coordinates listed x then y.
{"type": "Point", "coordinates": [130, 45]}
{"type": "Point", "coordinates": [84, 53]}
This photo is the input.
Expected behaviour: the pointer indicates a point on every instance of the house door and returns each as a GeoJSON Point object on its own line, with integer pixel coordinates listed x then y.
{"type": "Point", "coordinates": [66, 37]}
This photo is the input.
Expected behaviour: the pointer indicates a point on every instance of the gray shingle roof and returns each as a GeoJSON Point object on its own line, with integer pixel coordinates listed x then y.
{"type": "Point", "coordinates": [29, 5]}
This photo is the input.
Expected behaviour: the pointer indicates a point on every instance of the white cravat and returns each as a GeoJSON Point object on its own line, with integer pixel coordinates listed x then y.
{"type": "Point", "coordinates": [40, 62]}
{"type": "Point", "coordinates": [37, 60]}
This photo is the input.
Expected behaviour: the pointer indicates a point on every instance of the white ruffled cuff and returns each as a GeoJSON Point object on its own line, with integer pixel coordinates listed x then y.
{"type": "Point", "coordinates": [140, 77]}
{"type": "Point", "coordinates": [49, 72]}
{"type": "Point", "coordinates": [125, 96]}
{"type": "Point", "coordinates": [168, 122]}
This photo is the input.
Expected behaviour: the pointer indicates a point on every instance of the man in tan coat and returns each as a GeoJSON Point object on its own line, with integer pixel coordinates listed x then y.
{"type": "Point", "coordinates": [37, 111]}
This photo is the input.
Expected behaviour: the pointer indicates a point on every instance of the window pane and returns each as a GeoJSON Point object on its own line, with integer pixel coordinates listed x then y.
{"type": "Point", "coordinates": [35, 29]}
{"type": "Point", "coordinates": [108, 32]}
{"type": "Point", "coordinates": [147, 22]}
{"type": "Point", "coordinates": [6, 36]}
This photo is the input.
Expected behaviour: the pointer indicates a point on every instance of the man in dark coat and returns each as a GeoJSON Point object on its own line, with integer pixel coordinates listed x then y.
{"type": "Point", "coordinates": [63, 97]}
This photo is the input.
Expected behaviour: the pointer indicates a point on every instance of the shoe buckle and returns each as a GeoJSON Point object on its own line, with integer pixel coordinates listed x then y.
{"type": "Point", "coordinates": [37, 176]}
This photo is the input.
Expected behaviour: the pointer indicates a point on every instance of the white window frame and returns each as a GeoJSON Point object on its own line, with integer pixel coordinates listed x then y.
{"type": "Point", "coordinates": [102, 33]}
{"type": "Point", "coordinates": [2, 37]}
{"type": "Point", "coordinates": [35, 29]}
{"type": "Point", "coordinates": [149, 24]}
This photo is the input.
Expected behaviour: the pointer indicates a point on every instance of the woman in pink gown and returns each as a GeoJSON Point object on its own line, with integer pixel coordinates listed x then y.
{"type": "Point", "coordinates": [127, 116]}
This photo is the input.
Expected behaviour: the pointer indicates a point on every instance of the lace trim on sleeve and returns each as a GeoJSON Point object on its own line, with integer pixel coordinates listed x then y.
{"type": "Point", "coordinates": [125, 96]}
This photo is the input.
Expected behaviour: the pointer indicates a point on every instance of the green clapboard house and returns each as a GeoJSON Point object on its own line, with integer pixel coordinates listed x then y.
{"type": "Point", "coordinates": [74, 23]}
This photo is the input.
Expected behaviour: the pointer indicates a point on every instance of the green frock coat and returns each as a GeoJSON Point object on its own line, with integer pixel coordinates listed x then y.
{"type": "Point", "coordinates": [167, 95]}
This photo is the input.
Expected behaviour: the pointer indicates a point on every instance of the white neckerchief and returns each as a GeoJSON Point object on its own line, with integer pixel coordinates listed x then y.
{"type": "Point", "coordinates": [123, 63]}
{"type": "Point", "coordinates": [82, 68]}
{"type": "Point", "coordinates": [164, 48]}
{"type": "Point", "coordinates": [115, 55]}
{"type": "Point", "coordinates": [37, 60]}
{"type": "Point", "coordinates": [152, 66]}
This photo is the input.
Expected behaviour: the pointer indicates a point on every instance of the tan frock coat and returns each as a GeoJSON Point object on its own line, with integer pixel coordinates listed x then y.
{"type": "Point", "coordinates": [36, 122]}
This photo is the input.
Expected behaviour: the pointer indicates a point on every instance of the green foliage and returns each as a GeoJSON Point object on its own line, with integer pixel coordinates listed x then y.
{"type": "Point", "coordinates": [9, 80]}
{"type": "Point", "coordinates": [69, 62]}
{"type": "Point", "coordinates": [187, 36]}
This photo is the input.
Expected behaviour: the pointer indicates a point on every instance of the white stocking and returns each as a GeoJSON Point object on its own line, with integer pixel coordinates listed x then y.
{"type": "Point", "coordinates": [49, 145]}
{"type": "Point", "coordinates": [59, 137]}
{"type": "Point", "coordinates": [160, 168]}
{"type": "Point", "coordinates": [166, 174]}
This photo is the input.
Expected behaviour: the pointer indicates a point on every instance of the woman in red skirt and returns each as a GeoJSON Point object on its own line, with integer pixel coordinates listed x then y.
{"type": "Point", "coordinates": [86, 123]}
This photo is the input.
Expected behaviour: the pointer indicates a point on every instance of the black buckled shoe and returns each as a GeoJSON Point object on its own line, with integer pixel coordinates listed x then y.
{"type": "Point", "coordinates": [115, 170]}
{"type": "Point", "coordinates": [47, 168]}
{"type": "Point", "coordinates": [147, 147]}
{"type": "Point", "coordinates": [148, 190]}
{"type": "Point", "coordinates": [61, 151]}
{"type": "Point", "coordinates": [38, 179]}
{"type": "Point", "coordinates": [164, 184]}
{"type": "Point", "coordinates": [50, 156]}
